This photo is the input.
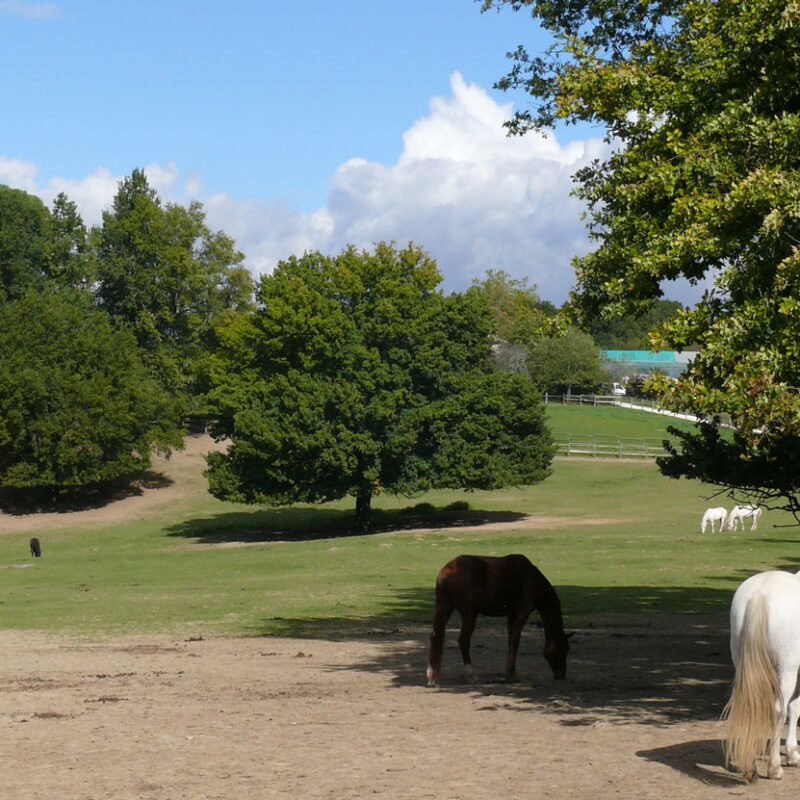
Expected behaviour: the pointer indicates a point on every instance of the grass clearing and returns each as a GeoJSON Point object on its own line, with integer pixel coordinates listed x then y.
{"type": "Point", "coordinates": [612, 420]}
{"type": "Point", "coordinates": [613, 537]}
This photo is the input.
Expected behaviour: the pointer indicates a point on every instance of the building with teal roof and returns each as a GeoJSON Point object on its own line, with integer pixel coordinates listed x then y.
{"type": "Point", "coordinates": [630, 363]}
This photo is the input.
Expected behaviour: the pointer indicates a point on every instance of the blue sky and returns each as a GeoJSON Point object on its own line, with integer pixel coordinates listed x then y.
{"type": "Point", "coordinates": [300, 126]}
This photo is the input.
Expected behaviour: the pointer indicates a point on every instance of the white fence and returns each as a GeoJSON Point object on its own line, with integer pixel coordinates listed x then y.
{"type": "Point", "coordinates": [599, 446]}
{"type": "Point", "coordinates": [601, 400]}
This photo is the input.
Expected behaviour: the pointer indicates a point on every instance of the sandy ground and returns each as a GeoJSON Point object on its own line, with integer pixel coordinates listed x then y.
{"type": "Point", "coordinates": [166, 718]}
{"type": "Point", "coordinates": [162, 717]}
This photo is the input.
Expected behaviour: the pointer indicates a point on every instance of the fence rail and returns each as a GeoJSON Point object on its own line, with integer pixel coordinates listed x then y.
{"type": "Point", "coordinates": [598, 446]}
{"type": "Point", "coordinates": [601, 400]}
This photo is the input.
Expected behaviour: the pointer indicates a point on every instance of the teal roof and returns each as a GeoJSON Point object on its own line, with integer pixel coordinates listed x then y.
{"type": "Point", "coordinates": [668, 356]}
{"type": "Point", "coordinates": [643, 361]}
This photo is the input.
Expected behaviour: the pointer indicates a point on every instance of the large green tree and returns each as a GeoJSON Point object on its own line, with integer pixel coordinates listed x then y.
{"type": "Point", "coordinates": [567, 364]}
{"type": "Point", "coordinates": [357, 372]}
{"type": "Point", "coordinates": [166, 275]}
{"type": "Point", "coordinates": [77, 406]}
{"type": "Point", "coordinates": [701, 103]}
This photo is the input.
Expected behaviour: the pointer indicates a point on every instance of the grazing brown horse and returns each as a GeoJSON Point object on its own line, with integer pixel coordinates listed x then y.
{"type": "Point", "coordinates": [36, 547]}
{"type": "Point", "coordinates": [508, 587]}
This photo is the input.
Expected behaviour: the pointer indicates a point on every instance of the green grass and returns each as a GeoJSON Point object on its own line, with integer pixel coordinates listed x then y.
{"type": "Point", "coordinates": [613, 421]}
{"type": "Point", "coordinates": [613, 537]}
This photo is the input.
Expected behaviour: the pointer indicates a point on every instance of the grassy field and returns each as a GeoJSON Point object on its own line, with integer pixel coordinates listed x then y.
{"type": "Point", "coordinates": [613, 421]}
{"type": "Point", "coordinates": [613, 537]}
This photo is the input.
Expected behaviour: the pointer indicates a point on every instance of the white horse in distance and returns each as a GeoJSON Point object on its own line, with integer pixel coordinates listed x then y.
{"type": "Point", "coordinates": [740, 513]}
{"type": "Point", "coordinates": [712, 515]}
{"type": "Point", "coordinates": [765, 648]}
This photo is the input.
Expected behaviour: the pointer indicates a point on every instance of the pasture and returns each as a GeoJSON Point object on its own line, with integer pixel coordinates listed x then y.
{"type": "Point", "coordinates": [174, 646]}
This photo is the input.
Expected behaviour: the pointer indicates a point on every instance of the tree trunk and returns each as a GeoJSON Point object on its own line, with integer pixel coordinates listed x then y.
{"type": "Point", "coordinates": [363, 502]}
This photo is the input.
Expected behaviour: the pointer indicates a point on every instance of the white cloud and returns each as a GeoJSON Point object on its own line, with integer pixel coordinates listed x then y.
{"type": "Point", "coordinates": [17, 8]}
{"type": "Point", "coordinates": [474, 198]}
{"type": "Point", "coordinates": [18, 174]}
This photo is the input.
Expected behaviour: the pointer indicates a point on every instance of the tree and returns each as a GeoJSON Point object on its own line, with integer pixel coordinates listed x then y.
{"type": "Point", "coordinates": [521, 316]}
{"type": "Point", "coordinates": [25, 245]}
{"type": "Point", "coordinates": [632, 332]}
{"type": "Point", "coordinates": [700, 102]}
{"type": "Point", "coordinates": [567, 363]}
{"type": "Point", "coordinates": [76, 404]}
{"type": "Point", "coordinates": [356, 372]}
{"type": "Point", "coordinates": [39, 247]}
{"type": "Point", "coordinates": [164, 273]}
{"type": "Point", "coordinates": [70, 261]}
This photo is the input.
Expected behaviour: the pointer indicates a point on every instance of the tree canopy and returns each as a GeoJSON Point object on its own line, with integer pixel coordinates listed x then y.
{"type": "Point", "coordinates": [143, 295]}
{"type": "Point", "coordinates": [701, 105]}
{"type": "Point", "coordinates": [357, 373]}
{"type": "Point", "coordinates": [167, 276]}
{"type": "Point", "coordinates": [567, 364]}
{"type": "Point", "coordinates": [521, 316]}
{"type": "Point", "coordinates": [632, 331]}
{"type": "Point", "coordinates": [76, 404]}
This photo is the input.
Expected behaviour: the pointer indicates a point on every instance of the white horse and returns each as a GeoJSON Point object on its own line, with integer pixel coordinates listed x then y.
{"type": "Point", "coordinates": [713, 515]}
{"type": "Point", "coordinates": [765, 647]}
{"type": "Point", "coordinates": [740, 513]}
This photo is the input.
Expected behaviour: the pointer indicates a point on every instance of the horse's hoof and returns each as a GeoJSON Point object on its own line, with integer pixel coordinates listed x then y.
{"type": "Point", "coordinates": [793, 758]}
{"type": "Point", "coordinates": [775, 774]}
{"type": "Point", "coordinates": [432, 679]}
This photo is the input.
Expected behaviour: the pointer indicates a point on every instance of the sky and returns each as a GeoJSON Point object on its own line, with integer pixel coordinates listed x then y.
{"type": "Point", "coordinates": [299, 126]}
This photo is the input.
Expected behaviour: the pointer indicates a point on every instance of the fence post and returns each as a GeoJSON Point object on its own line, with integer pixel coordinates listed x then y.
{"type": "Point", "coordinates": [545, 398]}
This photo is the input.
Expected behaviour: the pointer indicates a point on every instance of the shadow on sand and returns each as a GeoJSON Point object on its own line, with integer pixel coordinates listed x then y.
{"type": "Point", "coordinates": [51, 500]}
{"type": "Point", "coordinates": [702, 759]}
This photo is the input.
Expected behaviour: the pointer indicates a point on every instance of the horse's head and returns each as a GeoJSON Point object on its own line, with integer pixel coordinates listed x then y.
{"type": "Point", "coordinates": [555, 651]}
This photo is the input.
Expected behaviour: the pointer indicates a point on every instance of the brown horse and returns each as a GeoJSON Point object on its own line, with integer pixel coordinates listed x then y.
{"type": "Point", "coordinates": [508, 587]}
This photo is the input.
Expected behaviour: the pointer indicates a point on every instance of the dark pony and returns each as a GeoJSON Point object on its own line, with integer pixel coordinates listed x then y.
{"type": "Point", "coordinates": [508, 587]}
{"type": "Point", "coordinates": [36, 547]}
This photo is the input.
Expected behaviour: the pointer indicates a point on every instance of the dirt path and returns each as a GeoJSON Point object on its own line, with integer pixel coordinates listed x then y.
{"type": "Point", "coordinates": [227, 718]}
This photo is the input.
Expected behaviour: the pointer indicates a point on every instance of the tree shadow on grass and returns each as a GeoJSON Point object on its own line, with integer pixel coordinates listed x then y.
{"type": "Point", "coordinates": [309, 523]}
{"type": "Point", "coordinates": [55, 500]}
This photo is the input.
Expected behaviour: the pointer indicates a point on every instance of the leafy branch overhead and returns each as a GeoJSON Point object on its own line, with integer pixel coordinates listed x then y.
{"type": "Point", "coordinates": [701, 105]}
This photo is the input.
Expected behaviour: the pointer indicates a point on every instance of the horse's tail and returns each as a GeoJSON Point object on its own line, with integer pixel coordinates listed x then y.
{"type": "Point", "coordinates": [442, 612]}
{"type": "Point", "coordinates": [751, 711]}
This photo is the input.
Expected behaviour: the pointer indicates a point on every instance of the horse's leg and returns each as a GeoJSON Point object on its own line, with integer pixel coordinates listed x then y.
{"type": "Point", "coordinates": [440, 616]}
{"type": "Point", "coordinates": [516, 622]}
{"type": "Point", "coordinates": [792, 753]}
{"type": "Point", "coordinates": [788, 682]}
{"type": "Point", "coordinates": [468, 620]}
